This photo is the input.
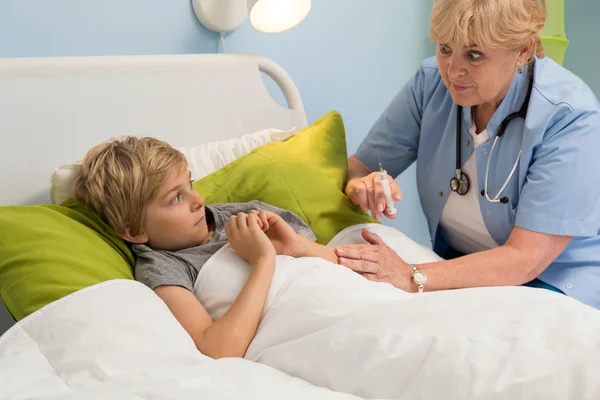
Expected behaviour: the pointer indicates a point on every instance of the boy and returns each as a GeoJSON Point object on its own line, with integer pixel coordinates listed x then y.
{"type": "Point", "coordinates": [141, 187]}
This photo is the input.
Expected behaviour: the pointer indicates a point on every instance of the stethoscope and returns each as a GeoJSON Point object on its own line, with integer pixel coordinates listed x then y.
{"type": "Point", "coordinates": [460, 183]}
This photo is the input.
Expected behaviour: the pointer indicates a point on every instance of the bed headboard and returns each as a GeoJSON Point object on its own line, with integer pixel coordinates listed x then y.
{"type": "Point", "coordinates": [52, 110]}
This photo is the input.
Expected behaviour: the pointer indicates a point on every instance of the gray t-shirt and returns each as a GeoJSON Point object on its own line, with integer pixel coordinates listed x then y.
{"type": "Point", "coordinates": [180, 268]}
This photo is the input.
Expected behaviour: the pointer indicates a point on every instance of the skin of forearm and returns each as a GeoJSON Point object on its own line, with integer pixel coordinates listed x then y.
{"type": "Point", "coordinates": [231, 335]}
{"type": "Point", "coordinates": [307, 248]}
{"type": "Point", "coordinates": [504, 265]}
{"type": "Point", "coordinates": [356, 169]}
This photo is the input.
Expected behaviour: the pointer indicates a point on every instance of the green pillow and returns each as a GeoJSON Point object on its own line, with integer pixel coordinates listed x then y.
{"type": "Point", "coordinates": [48, 252]}
{"type": "Point", "coordinates": [304, 174]}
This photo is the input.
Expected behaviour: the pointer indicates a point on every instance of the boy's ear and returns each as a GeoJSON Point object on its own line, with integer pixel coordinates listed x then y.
{"type": "Point", "coordinates": [141, 238]}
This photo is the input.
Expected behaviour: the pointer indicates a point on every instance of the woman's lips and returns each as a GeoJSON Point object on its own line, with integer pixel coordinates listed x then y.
{"type": "Point", "coordinates": [459, 88]}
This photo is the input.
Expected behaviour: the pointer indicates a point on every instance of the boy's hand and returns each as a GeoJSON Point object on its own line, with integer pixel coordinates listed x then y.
{"type": "Point", "coordinates": [248, 240]}
{"type": "Point", "coordinates": [281, 234]}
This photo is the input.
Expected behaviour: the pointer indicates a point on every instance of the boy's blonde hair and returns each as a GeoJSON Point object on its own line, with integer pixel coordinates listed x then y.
{"type": "Point", "coordinates": [119, 178]}
{"type": "Point", "coordinates": [506, 24]}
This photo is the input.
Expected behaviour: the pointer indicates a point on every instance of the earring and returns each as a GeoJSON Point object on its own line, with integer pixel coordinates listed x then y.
{"type": "Point", "coordinates": [520, 70]}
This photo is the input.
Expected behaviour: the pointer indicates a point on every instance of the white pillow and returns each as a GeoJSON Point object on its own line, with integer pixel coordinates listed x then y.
{"type": "Point", "coordinates": [61, 183]}
{"type": "Point", "coordinates": [203, 159]}
{"type": "Point", "coordinates": [210, 157]}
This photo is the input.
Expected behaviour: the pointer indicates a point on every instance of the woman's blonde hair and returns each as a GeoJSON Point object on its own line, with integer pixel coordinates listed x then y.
{"type": "Point", "coordinates": [489, 23]}
{"type": "Point", "coordinates": [118, 179]}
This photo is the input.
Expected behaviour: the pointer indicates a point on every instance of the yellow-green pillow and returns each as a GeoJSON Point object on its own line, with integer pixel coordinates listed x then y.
{"type": "Point", "coordinates": [304, 174]}
{"type": "Point", "coordinates": [48, 252]}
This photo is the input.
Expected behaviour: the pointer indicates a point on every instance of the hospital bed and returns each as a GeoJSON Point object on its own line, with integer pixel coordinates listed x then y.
{"type": "Point", "coordinates": [324, 334]}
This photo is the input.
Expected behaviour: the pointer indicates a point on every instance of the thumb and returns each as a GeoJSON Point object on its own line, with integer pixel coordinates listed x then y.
{"type": "Point", "coordinates": [371, 237]}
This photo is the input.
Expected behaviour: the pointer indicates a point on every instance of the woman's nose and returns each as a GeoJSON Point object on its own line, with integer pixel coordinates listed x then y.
{"type": "Point", "coordinates": [455, 68]}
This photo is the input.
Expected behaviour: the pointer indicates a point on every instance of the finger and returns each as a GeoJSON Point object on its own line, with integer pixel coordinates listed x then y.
{"type": "Point", "coordinates": [231, 231]}
{"type": "Point", "coordinates": [379, 194]}
{"type": "Point", "coordinates": [345, 248]}
{"type": "Point", "coordinates": [253, 222]}
{"type": "Point", "coordinates": [361, 266]}
{"type": "Point", "coordinates": [260, 222]}
{"type": "Point", "coordinates": [242, 221]}
{"type": "Point", "coordinates": [264, 216]}
{"type": "Point", "coordinates": [390, 216]}
{"type": "Point", "coordinates": [396, 191]}
{"type": "Point", "coordinates": [359, 252]}
{"type": "Point", "coordinates": [357, 193]}
{"type": "Point", "coordinates": [371, 199]}
{"type": "Point", "coordinates": [371, 237]}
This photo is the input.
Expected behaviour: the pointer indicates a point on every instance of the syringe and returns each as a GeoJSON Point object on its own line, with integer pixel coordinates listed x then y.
{"type": "Point", "coordinates": [387, 190]}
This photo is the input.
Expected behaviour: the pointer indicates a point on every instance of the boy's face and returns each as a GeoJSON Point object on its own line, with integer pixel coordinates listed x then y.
{"type": "Point", "coordinates": [175, 218]}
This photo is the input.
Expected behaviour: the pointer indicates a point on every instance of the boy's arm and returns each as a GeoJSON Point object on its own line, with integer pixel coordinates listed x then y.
{"type": "Point", "coordinates": [290, 242]}
{"type": "Point", "coordinates": [305, 247]}
{"type": "Point", "coordinates": [231, 335]}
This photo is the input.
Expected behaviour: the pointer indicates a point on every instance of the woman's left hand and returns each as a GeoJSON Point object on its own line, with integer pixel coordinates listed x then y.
{"type": "Point", "coordinates": [377, 262]}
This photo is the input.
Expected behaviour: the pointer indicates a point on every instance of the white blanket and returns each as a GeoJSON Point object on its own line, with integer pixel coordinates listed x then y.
{"type": "Point", "coordinates": [329, 326]}
{"type": "Point", "coordinates": [118, 340]}
{"type": "Point", "coordinates": [323, 324]}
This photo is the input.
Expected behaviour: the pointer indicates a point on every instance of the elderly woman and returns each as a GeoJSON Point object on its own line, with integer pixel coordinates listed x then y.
{"type": "Point", "coordinates": [507, 144]}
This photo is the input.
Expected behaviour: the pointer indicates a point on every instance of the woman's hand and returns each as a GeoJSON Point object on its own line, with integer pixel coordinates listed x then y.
{"type": "Point", "coordinates": [367, 193]}
{"type": "Point", "coordinates": [376, 261]}
{"type": "Point", "coordinates": [279, 232]}
{"type": "Point", "coordinates": [248, 239]}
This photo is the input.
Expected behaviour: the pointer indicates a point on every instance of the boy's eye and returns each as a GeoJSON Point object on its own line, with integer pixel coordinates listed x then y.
{"type": "Point", "coordinates": [176, 199]}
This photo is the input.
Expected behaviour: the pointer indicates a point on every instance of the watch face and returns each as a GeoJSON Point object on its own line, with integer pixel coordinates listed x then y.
{"type": "Point", "coordinates": [419, 277]}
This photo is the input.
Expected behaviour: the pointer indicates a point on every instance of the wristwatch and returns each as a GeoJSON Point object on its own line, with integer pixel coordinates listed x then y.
{"type": "Point", "coordinates": [418, 277]}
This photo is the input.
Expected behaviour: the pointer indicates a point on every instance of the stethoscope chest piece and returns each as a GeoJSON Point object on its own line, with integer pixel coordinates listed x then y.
{"type": "Point", "coordinates": [460, 185]}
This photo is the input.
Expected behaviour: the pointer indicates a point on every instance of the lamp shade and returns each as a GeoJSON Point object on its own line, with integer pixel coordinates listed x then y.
{"type": "Point", "coordinates": [272, 16]}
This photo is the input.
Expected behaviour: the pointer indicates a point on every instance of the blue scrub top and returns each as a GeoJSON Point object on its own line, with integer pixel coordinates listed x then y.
{"type": "Point", "coordinates": [556, 188]}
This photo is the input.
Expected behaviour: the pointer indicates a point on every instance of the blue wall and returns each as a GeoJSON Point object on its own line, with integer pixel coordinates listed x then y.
{"type": "Point", "coordinates": [100, 27]}
{"type": "Point", "coordinates": [582, 24]}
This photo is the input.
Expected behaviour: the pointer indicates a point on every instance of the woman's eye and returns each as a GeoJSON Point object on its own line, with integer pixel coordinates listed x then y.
{"type": "Point", "coordinates": [474, 56]}
{"type": "Point", "coordinates": [444, 49]}
{"type": "Point", "coordinates": [176, 199]}
{"type": "Point", "coordinates": [191, 184]}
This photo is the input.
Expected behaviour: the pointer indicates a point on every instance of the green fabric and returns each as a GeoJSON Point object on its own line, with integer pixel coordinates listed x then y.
{"type": "Point", "coordinates": [304, 174]}
{"type": "Point", "coordinates": [553, 35]}
{"type": "Point", "coordinates": [48, 252]}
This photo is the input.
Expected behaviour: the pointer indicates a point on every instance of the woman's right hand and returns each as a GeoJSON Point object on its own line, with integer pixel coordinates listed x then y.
{"type": "Point", "coordinates": [367, 193]}
{"type": "Point", "coordinates": [248, 239]}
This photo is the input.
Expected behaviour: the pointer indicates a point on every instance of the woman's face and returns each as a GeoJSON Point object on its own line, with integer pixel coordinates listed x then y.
{"type": "Point", "coordinates": [477, 75]}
